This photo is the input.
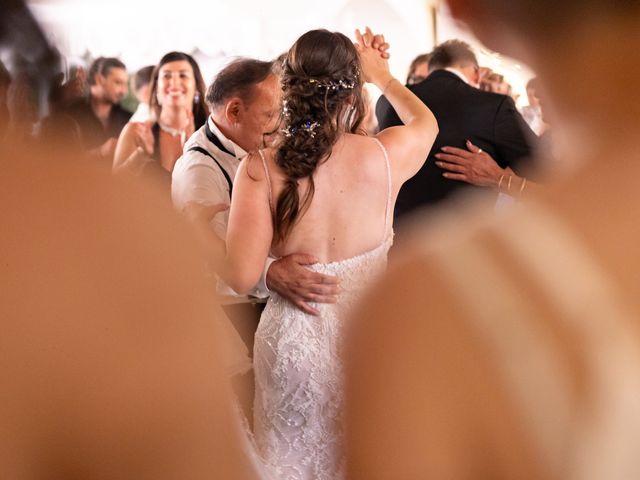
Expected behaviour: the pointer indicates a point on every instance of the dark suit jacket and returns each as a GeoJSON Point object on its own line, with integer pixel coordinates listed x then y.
{"type": "Point", "coordinates": [491, 121]}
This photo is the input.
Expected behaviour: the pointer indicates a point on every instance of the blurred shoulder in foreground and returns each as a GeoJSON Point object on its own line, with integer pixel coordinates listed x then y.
{"type": "Point", "coordinates": [109, 342]}
{"type": "Point", "coordinates": [496, 348]}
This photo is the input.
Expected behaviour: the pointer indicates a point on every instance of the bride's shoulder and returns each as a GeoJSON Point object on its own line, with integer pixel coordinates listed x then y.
{"type": "Point", "coordinates": [260, 164]}
{"type": "Point", "coordinates": [362, 145]}
{"type": "Point", "coordinates": [357, 138]}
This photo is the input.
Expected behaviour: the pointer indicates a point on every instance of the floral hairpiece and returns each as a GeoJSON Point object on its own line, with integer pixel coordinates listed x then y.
{"type": "Point", "coordinates": [307, 126]}
{"type": "Point", "coordinates": [333, 85]}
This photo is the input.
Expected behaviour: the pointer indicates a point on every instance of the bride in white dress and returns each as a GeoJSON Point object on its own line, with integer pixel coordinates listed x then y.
{"type": "Point", "coordinates": [326, 190]}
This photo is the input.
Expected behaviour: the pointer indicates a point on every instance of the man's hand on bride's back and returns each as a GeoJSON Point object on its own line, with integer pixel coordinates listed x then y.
{"type": "Point", "coordinates": [290, 279]}
{"type": "Point", "coordinates": [373, 55]}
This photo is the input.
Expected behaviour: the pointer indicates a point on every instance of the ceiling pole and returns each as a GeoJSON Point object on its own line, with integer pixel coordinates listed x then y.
{"type": "Point", "coordinates": [433, 9]}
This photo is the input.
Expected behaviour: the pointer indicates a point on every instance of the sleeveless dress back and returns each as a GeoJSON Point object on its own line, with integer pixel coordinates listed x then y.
{"type": "Point", "coordinates": [298, 366]}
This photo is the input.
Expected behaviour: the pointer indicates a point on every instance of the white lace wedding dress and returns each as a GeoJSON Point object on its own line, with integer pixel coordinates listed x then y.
{"type": "Point", "coordinates": [298, 366]}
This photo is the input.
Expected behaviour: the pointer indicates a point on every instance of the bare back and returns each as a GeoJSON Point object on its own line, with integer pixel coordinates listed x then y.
{"type": "Point", "coordinates": [351, 206]}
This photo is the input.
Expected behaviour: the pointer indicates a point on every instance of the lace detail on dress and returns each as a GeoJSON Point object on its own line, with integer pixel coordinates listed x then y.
{"type": "Point", "coordinates": [298, 365]}
{"type": "Point", "coordinates": [298, 369]}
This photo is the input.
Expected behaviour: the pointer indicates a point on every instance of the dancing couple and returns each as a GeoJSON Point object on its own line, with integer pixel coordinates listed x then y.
{"type": "Point", "coordinates": [326, 189]}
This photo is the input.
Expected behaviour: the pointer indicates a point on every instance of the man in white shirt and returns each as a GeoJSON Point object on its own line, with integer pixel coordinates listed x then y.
{"type": "Point", "coordinates": [244, 104]}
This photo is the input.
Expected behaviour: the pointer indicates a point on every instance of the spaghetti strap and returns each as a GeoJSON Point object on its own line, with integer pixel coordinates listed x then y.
{"type": "Point", "coordinates": [266, 172]}
{"type": "Point", "coordinates": [387, 211]}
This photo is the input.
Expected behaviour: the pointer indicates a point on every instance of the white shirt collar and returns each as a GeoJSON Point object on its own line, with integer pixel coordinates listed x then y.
{"type": "Point", "coordinates": [459, 74]}
{"type": "Point", "coordinates": [228, 144]}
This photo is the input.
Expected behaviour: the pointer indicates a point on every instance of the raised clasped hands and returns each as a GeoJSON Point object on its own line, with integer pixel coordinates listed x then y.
{"type": "Point", "coordinates": [144, 137]}
{"type": "Point", "coordinates": [373, 56]}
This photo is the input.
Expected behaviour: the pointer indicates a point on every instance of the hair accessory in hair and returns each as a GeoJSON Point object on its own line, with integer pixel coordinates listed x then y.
{"type": "Point", "coordinates": [308, 127]}
{"type": "Point", "coordinates": [334, 85]}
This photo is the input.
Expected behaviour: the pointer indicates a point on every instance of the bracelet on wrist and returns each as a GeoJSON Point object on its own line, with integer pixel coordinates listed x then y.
{"type": "Point", "coordinates": [524, 184]}
{"type": "Point", "coordinates": [386, 87]}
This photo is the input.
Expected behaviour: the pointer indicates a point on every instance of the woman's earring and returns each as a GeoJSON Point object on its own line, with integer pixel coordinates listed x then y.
{"type": "Point", "coordinates": [196, 98]}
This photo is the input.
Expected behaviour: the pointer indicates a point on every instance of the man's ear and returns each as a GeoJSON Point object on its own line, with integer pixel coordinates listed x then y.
{"type": "Point", "coordinates": [100, 79]}
{"type": "Point", "coordinates": [476, 76]}
{"type": "Point", "coordinates": [233, 110]}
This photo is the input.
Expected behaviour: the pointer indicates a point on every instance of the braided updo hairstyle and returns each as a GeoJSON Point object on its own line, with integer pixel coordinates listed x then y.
{"type": "Point", "coordinates": [322, 98]}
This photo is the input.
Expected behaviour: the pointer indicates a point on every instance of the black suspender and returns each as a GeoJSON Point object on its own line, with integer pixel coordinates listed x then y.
{"type": "Point", "coordinates": [224, 172]}
{"type": "Point", "coordinates": [216, 141]}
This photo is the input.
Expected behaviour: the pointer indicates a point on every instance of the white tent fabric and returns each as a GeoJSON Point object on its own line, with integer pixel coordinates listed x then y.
{"type": "Point", "coordinates": [141, 31]}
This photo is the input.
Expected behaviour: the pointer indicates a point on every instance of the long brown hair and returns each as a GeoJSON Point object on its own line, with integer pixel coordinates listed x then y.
{"type": "Point", "coordinates": [200, 109]}
{"type": "Point", "coordinates": [322, 99]}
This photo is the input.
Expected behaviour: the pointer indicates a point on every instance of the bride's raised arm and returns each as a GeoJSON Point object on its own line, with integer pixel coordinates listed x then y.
{"type": "Point", "coordinates": [409, 144]}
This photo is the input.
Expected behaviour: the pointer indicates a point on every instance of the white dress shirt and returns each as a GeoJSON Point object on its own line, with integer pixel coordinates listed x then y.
{"type": "Point", "coordinates": [197, 178]}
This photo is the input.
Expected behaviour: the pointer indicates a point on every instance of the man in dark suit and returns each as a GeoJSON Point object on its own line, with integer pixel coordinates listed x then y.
{"type": "Point", "coordinates": [489, 120]}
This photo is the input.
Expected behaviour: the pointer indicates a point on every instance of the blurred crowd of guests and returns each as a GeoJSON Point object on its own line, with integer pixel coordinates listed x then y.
{"type": "Point", "coordinates": [86, 106]}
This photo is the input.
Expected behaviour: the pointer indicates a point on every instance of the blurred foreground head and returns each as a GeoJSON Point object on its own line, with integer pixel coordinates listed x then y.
{"type": "Point", "coordinates": [109, 361]}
